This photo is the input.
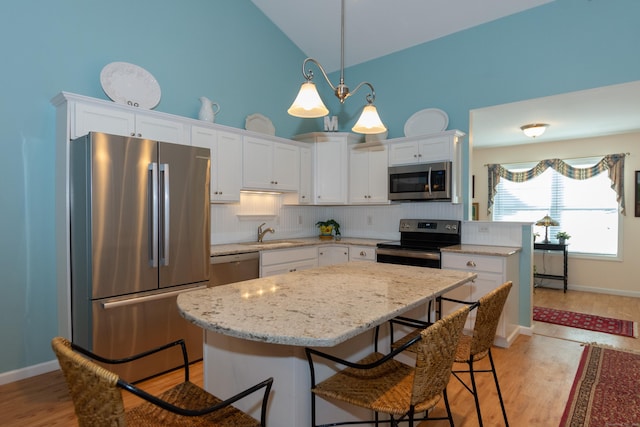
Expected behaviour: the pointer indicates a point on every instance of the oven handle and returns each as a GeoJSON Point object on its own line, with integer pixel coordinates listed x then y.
{"type": "Point", "coordinates": [408, 254]}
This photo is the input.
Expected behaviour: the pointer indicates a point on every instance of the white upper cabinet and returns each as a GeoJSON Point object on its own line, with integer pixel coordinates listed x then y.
{"type": "Point", "coordinates": [330, 165]}
{"type": "Point", "coordinates": [226, 161]}
{"type": "Point", "coordinates": [368, 178]}
{"type": "Point", "coordinates": [270, 165]}
{"type": "Point", "coordinates": [440, 147]}
{"type": "Point", "coordinates": [306, 169]}
{"type": "Point", "coordinates": [121, 120]}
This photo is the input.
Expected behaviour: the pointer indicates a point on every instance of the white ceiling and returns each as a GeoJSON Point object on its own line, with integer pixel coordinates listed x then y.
{"type": "Point", "coordinates": [314, 26]}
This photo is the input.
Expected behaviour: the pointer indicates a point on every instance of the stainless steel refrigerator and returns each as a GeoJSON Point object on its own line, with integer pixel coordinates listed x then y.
{"type": "Point", "coordinates": [139, 236]}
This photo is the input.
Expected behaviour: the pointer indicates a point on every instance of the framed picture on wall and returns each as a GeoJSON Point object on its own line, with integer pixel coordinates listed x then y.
{"type": "Point", "coordinates": [637, 193]}
{"type": "Point", "coordinates": [475, 208]}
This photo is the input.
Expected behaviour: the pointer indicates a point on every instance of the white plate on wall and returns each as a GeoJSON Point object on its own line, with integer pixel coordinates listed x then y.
{"type": "Point", "coordinates": [430, 120]}
{"type": "Point", "coordinates": [259, 123]}
{"type": "Point", "coordinates": [130, 84]}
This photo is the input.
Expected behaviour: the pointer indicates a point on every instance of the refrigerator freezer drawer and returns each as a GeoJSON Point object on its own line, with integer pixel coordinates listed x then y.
{"type": "Point", "coordinates": [126, 327]}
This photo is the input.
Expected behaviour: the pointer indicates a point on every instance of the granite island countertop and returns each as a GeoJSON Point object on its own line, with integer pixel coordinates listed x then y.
{"type": "Point", "coordinates": [318, 307]}
{"type": "Point", "coordinates": [235, 248]}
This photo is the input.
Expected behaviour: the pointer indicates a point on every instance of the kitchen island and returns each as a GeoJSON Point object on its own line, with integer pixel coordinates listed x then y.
{"type": "Point", "coordinates": [259, 328]}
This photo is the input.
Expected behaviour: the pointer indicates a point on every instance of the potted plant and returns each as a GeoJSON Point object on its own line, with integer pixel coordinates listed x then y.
{"type": "Point", "coordinates": [562, 237]}
{"type": "Point", "coordinates": [327, 228]}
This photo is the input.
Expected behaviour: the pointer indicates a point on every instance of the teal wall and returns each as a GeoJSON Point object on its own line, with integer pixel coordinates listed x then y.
{"type": "Point", "coordinates": [223, 49]}
{"type": "Point", "coordinates": [227, 50]}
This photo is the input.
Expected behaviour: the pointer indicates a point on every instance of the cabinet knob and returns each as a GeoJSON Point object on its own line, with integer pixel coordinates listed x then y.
{"type": "Point", "coordinates": [132, 134]}
{"type": "Point", "coordinates": [363, 253]}
{"type": "Point", "coordinates": [415, 155]}
{"type": "Point", "coordinates": [471, 264]}
{"type": "Point", "coordinates": [304, 197]}
{"type": "Point", "coordinates": [321, 253]}
{"type": "Point", "coordinates": [139, 135]}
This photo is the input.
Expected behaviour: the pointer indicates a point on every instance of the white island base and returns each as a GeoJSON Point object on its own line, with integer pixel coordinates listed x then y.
{"type": "Point", "coordinates": [233, 364]}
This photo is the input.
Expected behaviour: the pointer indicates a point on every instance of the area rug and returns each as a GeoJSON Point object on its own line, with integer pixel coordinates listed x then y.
{"type": "Point", "coordinates": [626, 328]}
{"type": "Point", "coordinates": [606, 389]}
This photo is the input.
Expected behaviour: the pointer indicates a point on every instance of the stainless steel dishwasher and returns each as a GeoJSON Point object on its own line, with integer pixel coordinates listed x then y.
{"type": "Point", "coordinates": [234, 268]}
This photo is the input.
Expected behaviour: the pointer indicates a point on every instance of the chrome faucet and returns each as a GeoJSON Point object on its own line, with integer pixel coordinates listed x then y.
{"type": "Point", "coordinates": [261, 232]}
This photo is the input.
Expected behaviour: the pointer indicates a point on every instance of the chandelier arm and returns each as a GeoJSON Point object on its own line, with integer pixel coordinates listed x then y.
{"type": "Point", "coordinates": [309, 75]}
{"type": "Point", "coordinates": [370, 96]}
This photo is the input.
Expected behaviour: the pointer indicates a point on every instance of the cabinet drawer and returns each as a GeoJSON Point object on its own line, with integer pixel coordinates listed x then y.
{"type": "Point", "coordinates": [288, 255]}
{"type": "Point", "coordinates": [471, 262]}
{"type": "Point", "coordinates": [362, 253]}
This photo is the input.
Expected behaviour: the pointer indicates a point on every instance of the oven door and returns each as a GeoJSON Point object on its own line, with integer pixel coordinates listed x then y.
{"type": "Point", "coordinates": [429, 181]}
{"type": "Point", "coordinates": [419, 258]}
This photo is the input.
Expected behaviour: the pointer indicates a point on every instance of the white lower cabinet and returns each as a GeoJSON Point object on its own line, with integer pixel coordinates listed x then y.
{"type": "Point", "coordinates": [332, 254]}
{"type": "Point", "coordinates": [492, 272]}
{"type": "Point", "coordinates": [280, 261]}
{"type": "Point", "coordinates": [362, 253]}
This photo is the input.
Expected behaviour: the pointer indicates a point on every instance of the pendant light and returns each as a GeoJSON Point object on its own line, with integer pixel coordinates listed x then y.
{"type": "Point", "coordinates": [308, 103]}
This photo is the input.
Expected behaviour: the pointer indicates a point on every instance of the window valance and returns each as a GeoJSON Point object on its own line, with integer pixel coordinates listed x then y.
{"type": "Point", "coordinates": [614, 163]}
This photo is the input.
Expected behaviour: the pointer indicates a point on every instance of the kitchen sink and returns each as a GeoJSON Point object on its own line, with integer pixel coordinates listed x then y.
{"type": "Point", "coordinates": [272, 244]}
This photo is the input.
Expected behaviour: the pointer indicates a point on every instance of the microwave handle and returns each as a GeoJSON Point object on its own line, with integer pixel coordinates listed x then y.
{"type": "Point", "coordinates": [429, 180]}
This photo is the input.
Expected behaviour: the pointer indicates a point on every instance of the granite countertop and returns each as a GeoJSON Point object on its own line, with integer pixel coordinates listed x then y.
{"type": "Point", "coordinates": [482, 250]}
{"type": "Point", "coordinates": [318, 307]}
{"type": "Point", "coordinates": [235, 248]}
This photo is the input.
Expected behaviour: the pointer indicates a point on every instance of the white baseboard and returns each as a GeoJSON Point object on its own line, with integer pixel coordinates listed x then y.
{"type": "Point", "coordinates": [594, 290]}
{"type": "Point", "coordinates": [29, 371]}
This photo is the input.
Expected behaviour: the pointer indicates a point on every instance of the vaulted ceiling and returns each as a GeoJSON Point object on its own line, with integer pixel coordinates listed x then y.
{"type": "Point", "coordinates": [375, 28]}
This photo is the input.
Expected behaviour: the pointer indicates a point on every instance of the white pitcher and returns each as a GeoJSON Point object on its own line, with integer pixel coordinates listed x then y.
{"type": "Point", "coordinates": [208, 109]}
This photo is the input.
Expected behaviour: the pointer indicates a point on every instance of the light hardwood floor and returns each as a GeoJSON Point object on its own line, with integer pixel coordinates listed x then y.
{"type": "Point", "coordinates": [535, 373]}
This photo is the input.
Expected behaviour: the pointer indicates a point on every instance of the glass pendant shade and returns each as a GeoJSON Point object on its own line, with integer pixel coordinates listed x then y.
{"type": "Point", "coordinates": [369, 121]}
{"type": "Point", "coordinates": [308, 103]}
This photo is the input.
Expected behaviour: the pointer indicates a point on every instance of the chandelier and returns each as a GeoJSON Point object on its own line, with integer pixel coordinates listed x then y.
{"type": "Point", "coordinates": [308, 103]}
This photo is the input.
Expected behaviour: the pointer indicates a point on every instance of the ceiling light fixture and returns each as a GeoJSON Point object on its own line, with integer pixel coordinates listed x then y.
{"type": "Point", "coordinates": [534, 129]}
{"type": "Point", "coordinates": [308, 103]}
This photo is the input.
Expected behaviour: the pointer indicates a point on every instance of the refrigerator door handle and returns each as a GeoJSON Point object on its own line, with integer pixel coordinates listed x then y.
{"type": "Point", "coordinates": [138, 300]}
{"type": "Point", "coordinates": [164, 170]}
{"type": "Point", "coordinates": [153, 208]}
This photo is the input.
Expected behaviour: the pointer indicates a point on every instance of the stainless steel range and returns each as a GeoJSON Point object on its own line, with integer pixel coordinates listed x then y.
{"type": "Point", "coordinates": [420, 242]}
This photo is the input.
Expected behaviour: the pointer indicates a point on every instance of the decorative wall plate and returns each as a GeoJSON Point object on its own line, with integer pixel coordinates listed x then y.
{"type": "Point", "coordinates": [430, 120]}
{"type": "Point", "coordinates": [130, 84]}
{"type": "Point", "coordinates": [259, 123]}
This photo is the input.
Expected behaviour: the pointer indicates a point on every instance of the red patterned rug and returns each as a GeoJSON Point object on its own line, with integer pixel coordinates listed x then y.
{"type": "Point", "coordinates": [626, 328]}
{"type": "Point", "coordinates": [606, 389]}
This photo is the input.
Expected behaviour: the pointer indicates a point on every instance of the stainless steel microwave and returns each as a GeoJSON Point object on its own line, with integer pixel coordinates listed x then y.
{"type": "Point", "coordinates": [427, 181]}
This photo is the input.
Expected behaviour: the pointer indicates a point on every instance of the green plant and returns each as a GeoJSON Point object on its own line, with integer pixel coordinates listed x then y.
{"type": "Point", "coordinates": [563, 235]}
{"type": "Point", "coordinates": [324, 225]}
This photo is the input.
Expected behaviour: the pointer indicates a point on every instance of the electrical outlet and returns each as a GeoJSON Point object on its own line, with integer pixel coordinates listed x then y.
{"type": "Point", "coordinates": [483, 229]}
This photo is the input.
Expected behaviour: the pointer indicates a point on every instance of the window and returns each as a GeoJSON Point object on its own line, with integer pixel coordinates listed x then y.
{"type": "Point", "coordinates": [586, 209]}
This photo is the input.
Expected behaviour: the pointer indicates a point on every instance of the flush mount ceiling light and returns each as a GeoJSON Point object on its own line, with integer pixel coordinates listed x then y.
{"type": "Point", "coordinates": [308, 103]}
{"type": "Point", "coordinates": [534, 129]}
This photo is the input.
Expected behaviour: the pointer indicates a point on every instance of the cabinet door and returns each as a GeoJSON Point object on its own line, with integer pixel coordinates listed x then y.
{"type": "Point", "coordinates": [436, 149]}
{"type": "Point", "coordinates": [157, 129]}
{"type": "Point", "coordinates": [228, 167]}
{"type": "Point", "coordinates": [286, 167]}
{"type": "Point", "coordinates": [226, 161]}
{"type": "Point", "coordinates": [304, 194]}
{"type": "Point", "coordinates": [404, 153]}
{"type": "Point", "coordinates": [331, 178]}
{"type": "Point", "coordinates": [257, 163]}
{"type": "Point", "coordinates": [95, 118]}
{"type": "Point", "coordinates": [359, 177]}
{"type": "Point", "coordinates": [330, 255]}
{"type": "Point", "coordinates": [378, 176]}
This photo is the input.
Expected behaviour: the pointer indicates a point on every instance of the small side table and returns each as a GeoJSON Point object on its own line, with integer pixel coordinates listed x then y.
{"type": "Point", "coordinates": [558, 247]}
